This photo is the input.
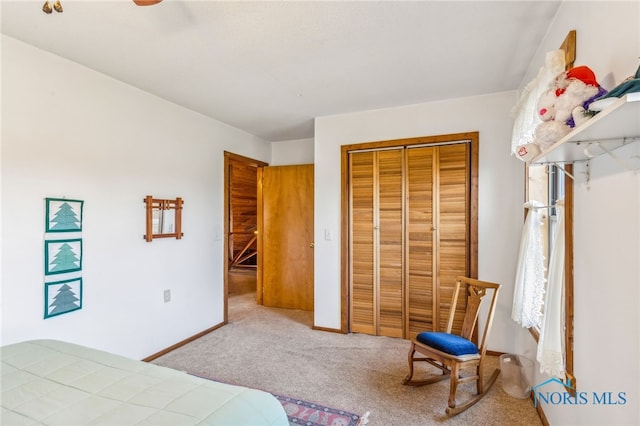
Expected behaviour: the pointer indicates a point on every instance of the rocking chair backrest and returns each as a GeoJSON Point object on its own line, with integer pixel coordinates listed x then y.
{"type": "Point", "coordinates": [475, 291]}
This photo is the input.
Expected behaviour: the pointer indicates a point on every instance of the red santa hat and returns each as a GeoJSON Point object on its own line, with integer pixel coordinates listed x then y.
{"type": "Point", "coordinates": [584, 74]}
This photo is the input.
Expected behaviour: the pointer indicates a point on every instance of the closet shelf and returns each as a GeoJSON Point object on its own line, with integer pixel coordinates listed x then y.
{"type": "Point", "coordinates": [613, 127]}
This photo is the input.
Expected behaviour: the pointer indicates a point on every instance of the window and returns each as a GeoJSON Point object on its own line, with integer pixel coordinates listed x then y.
{"type": "Point", "coordinates": [547, 184]}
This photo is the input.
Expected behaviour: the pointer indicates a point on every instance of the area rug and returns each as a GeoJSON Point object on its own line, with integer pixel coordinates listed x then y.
{"type": "Point", "coordinates": [300, 412]}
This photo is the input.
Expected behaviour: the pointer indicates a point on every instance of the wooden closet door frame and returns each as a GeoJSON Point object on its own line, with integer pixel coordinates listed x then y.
{"type": "Point", "coordinates": [472, 137]}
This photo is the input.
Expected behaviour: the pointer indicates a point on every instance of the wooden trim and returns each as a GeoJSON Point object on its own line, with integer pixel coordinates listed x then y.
{"type": "Point", "coordinates": [540, 411]}
{"type": "Point", "coordinates": [494, 353]}
{"type": "Point", "coordinates": [225, 230]}
{"type": "Point", "coordinates": [473, 200]}
{"type": "Point", "coordinates": [330, 330]}
{"type": "Point", "coordinates": [260, 242]}
{"type": "Point", "coordinates": [568, 275]}
{"type": "Point", "coordinates": [453, 137]}
{"type": "Point", "coordinates": [344, 247]}
{"type": "Point", "coordinates": [182, 343]}
{"type": "Point", "coordinates": [473, 137]}
{"type": "Point", "coordinates": [242, 159]}
{"type": "Point", "coordinates": [569, 47]}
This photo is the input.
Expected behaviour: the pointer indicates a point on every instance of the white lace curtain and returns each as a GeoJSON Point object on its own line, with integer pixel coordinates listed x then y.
{"type": "Point", "coordinates": [551, 342]}
{"type": "Point", "coordinates": [530, 280]}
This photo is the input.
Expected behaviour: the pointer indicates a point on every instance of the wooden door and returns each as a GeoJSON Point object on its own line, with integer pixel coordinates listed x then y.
{"type": "Point", "coordinates": [420, 240]}
{"type": "Point", "coordinates": [389, 242]}
{"type": "Point", "coordinates": [438, 237]}
{"type": "Point", "coordinates": [363, 300]}
{"type": "Point", "coordinates": [285, 228]}
{"type": "Point", "coordinates": [377, 242]}
{"type": "Point", "coordinates": [452, 233]}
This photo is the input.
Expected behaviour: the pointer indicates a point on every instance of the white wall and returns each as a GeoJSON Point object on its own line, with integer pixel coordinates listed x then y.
{"type": "Point", "coordinates": [297, 151]}
{"type": "Point", "coordinates": [500, 191]}
{"type": "Point", "coordinates": [606, 229]}
{"type": "Point", "coordinates": [70, 132]}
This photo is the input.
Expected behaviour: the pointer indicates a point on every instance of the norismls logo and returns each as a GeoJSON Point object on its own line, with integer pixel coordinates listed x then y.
{"type": "Point", "coordinates": [575, 398]}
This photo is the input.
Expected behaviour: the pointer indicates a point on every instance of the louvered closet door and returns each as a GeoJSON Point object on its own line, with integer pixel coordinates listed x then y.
{"type": "Point", "coordinates": [420, 240]}
{"type": "Point", "coordinates": [409, 237]}
{"type": "Point", "coordinates": [390, 227]}
{"type": "Point", "coordinates": [453, 227]}
{"type": "Point", "coordinates": [362, 278]}
{"type": "Point", "coordinates": [437, 233]}
{"type": "Point", "coordinates": [376, 223]}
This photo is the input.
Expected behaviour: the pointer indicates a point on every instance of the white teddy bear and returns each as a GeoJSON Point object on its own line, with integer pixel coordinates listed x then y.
{"type": "Point", "coordinates": [564, 105]}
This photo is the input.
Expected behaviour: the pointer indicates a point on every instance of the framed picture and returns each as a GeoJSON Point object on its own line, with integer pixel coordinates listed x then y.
{"type": "Point", "coordinates": [61, 297]}
{"type": "Point", "coordinates": [63, 215]}
{"type": "Point", "coordinates": [61, 256]}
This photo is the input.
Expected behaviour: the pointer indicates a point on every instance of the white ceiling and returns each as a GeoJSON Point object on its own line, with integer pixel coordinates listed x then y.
{"type": "Point", "coordinates": [270, 67]}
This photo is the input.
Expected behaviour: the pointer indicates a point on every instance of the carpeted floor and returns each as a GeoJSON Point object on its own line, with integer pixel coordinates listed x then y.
{"type": "Point", "coordinates": [277, 351]}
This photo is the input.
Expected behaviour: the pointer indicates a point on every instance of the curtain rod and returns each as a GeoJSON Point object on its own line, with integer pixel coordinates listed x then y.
{"type": "Point", "coordinates": [559, 203]}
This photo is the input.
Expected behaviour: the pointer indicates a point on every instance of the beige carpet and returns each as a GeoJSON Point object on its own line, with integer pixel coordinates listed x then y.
{"type": "Point", "coordinates": [276, 350]}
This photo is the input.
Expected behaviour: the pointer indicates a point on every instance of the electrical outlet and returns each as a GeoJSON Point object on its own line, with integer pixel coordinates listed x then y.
{"type": "Point", "coordinates": [167, 296]}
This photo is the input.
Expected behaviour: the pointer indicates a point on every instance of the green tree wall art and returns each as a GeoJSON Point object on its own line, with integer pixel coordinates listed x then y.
{"type": "Point", "coordinates": [61, 256]}
{"type": "Point", "coordinates": [62, 297]}
{"type": "Point", "coordinates": [63, 215]}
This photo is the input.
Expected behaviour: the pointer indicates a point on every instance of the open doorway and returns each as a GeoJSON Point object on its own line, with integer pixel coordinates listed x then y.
{"type": "Point", "coordinates": [240, 233]}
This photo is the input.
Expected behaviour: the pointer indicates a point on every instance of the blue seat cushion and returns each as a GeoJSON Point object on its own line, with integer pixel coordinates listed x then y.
{"type": "Point", "coordinates": [447, 343]}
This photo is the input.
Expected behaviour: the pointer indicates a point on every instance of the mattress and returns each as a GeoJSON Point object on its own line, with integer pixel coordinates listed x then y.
{"type": "Point", "coordinates": [49, 382]}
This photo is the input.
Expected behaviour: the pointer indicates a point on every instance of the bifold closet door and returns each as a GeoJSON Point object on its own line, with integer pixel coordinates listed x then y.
{"type": "Point", "coordinates": [421, 240]}
{"type": "Point", "coordinates": [438, 215]}
{"type": "Point", "coordinates": [377, 227]}
{"type": "Point", "coordinates": [390, 230]}
{"type": "Point", "coordinates": [409, 237]}
{"type": "Point", "coordinates": [453, 229]}
{"type": "Point", "coordinates": [361, 257]}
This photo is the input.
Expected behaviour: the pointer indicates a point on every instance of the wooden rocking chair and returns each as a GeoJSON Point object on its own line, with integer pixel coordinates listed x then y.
{"type": "Point", "coordinates": [451, 352]}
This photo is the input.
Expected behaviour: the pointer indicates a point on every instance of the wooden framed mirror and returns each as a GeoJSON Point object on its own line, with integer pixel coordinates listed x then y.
{"type": "Point", "coordinates": [164, 218]}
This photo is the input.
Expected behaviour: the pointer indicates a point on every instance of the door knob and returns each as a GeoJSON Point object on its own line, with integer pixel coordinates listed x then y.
{"type": "Point", "coordinates": [311, 245]}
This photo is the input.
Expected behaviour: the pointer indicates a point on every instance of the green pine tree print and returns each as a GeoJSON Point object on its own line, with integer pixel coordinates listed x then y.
{"type": "Point", "coordinates": [65, 259]}
{"type": "Point", "coordinates": [64, 301]}
{"type": "Point", "coordinates": [65, 218]}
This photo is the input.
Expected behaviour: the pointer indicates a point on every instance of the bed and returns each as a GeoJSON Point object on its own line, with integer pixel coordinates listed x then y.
{"type": "Point", "coordinates": [50, 382]}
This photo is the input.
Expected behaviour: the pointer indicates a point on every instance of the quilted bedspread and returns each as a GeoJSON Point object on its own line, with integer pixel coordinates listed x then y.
{"type": "Point", "coordinates": [49, 382]}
